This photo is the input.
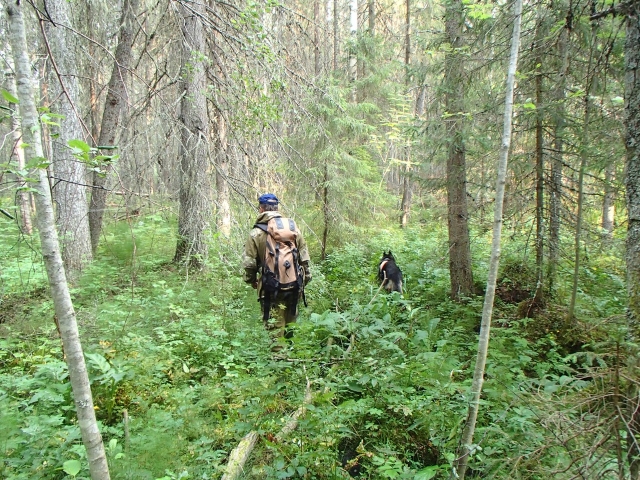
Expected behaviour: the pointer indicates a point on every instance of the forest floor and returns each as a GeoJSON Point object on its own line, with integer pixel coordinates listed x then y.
{"type": "Point", "coordinates": [181, 369]}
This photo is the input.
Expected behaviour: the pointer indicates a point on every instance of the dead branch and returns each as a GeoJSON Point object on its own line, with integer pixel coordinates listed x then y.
{"type": "Point", "coordinates": [241, 453]}
{"type": "Point", "coordinates": [239, 456]}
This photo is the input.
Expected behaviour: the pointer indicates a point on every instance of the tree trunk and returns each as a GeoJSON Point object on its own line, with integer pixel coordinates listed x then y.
{"type": "Point", "coordinates": [69, 191]}
{"type": "Point", "coordinates": [24, 200]}
{"type": "Point", "coordinates": [406, 183]}
{"type": "Point", "coordinates": [195, 185]}
{"type": "Point", "coordinates": [459, 245]}
{"type": "Point", "coordinates": [353, 32]}
{"type": "Point", "coordinates": [608, 202]}
{"type": "Point", "coordinates": [336, 35]}
{"type": "Point", "coordinates": [325, 211]}
{"type": "Point", "coordinates": [111, 116]}
{"type": "Point", "coordinates": [494, 262]}
{"type": "Point", "coordinates": [583, 165]}
{"type": "Point", "coordinates": [317, 64]}
{"type": "Point", "coordinates": [371, 11]}
{"type": "Point", "coordinates": [63, 306]}
{"type": "Point", "coordinates": [555, 193]}
{"type": "Point", "coordinates": [632, 183]}
{"type": "Point", "coordinates": [538, 297]}
{"type": "Point", "coordinates": [222, 178]}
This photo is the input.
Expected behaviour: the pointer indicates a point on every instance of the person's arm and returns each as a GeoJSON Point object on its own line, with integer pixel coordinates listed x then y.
{"type": "Point", "coordinates": [250, 260]}
{"type": "Point", "coordinates": [305, 259]}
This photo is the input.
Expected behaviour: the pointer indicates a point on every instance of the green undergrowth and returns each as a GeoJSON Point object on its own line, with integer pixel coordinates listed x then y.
{"type": "Point", "coordinates": [185, 359]}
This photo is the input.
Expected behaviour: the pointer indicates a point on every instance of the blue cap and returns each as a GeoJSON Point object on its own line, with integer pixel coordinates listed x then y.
{"type": "Point", "coordinates": [268, 199]}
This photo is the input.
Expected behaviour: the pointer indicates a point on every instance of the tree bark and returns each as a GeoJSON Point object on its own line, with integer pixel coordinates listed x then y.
{"type": "Point", "coordinates": [325, 211]}
{"type": "Point", "coordinates": [239, 456]}
{"type": "Point", "coordinates": [69, 191]}
{"type": "Point", "coordinates": [457, 216]}
{"type": "Point", "coordinates": [406, 182]}
{"type": "Point", "coordinates": [538, 297]}
{"type": "Point", "coordinates": [114, 106]}
{"type": "Point", "coordinates": [466, 443]}
{"type": "Point", "coordinates": [608, 202]}
{"type": "Point", "coordinates": [63, 306]}
{"type": "Point", "coordinates": [632, 183]}
{"type": "Point", "coordinates": [316, 39]}
{"type": "Point", "coordinates": [194, 215]}
{"type": "Point", "coordinates": [222, 178]}
{"type": "Point", "coordinates": [336, 35]}
{"type": "Point", "coordinates": [556, 190]}
{"type": "Point", "coordinates": [583, 165]}
{"type": "Point", "coordinates": [353, 33]}
{"type": "Point", "coordinates": [24, 200]}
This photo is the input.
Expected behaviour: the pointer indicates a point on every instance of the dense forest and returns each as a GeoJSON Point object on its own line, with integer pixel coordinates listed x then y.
{"type": "Point", "coordinates": [491, 146]}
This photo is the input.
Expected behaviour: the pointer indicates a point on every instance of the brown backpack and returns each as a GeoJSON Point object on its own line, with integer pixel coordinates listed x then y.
{"type": "Point", "coordinates": [281, 269]}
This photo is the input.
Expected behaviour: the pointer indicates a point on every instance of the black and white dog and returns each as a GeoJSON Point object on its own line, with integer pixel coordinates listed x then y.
{"type": "Point", "coordinates": [389, 273]}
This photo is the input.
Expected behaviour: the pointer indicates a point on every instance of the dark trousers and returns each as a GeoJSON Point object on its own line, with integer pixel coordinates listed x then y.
{"type": "Point", "coordinates": [282, 312]}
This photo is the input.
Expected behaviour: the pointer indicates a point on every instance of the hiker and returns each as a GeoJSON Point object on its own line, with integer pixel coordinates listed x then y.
{"type": "Point", "coordinates": [277, 251]}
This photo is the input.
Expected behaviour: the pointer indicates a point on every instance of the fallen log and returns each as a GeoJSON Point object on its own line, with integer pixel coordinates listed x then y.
{"type": "Point", "coordinates": [291, 425]}
{"type": "Point", "coordinates": [241, 453]}
{"type": "Point", "coordinates": [239, 456]}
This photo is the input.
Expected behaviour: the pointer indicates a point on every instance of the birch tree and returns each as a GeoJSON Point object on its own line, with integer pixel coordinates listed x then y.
{"type": "Point", "coordinates": [466, 442]}
{"type": "Point", "coordinates": [64, 311]}
{"type": "Point", "coordinates": [24, 197]}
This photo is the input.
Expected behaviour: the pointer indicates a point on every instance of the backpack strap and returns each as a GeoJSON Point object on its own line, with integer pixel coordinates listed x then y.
{"type": "Point", "coordinates": [262, 226]}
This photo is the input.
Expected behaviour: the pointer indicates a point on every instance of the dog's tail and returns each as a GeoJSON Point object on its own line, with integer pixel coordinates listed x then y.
{"type": "Point", "coordinates": [392, 286]}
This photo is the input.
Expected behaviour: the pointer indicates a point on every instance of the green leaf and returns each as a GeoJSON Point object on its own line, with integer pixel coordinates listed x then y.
{"type": "Point", "coordinates": [37, 162]}
{"type": "Point", "coordinates": [354, 387]}
{"type": "Point", "coordinates": [71, 467]}
{"type": "Point", "coordinates": [98, 361]}
{"type": "Point", "coordinates": [427, 473]}
{"type": "Point", "coordinates": [8, 97]}
{"type": "Point", "coordinates": [79, 145]}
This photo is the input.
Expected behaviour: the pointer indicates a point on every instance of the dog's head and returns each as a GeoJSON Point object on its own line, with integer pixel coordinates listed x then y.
{"type": "Point", "coordinates": [386, 260]}
{"type": "Point", "coordinates": [386, 256]}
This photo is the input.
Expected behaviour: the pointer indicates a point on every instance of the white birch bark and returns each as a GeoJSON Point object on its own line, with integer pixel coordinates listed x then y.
{"type": "Point", "coordinates": [64, 311]}
{"type": "Point", "coordinates": [69, 192]}
{"type": "Point", "coordinates": [24, 200]}
{"type": "Point", "coordinates": [466, 443]}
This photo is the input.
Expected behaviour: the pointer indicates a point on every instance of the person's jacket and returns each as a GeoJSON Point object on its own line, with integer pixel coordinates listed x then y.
{"type": "Point", "coordinates": [255, 247]}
